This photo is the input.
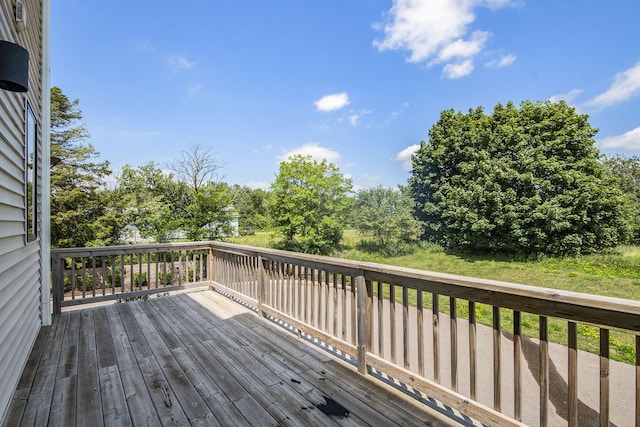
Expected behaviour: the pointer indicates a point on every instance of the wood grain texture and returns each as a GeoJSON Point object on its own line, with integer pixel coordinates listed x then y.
{"type": "Point", "coordinates": [196, 358]}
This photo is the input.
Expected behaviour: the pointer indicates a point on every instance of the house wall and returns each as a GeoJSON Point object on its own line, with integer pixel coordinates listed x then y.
{"type": "Point", "coordinates": [21, 265]}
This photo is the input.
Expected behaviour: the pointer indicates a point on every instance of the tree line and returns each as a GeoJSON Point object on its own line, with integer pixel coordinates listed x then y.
{"type": "Point", "coordinates": [520, 180]}
{"type": "Point", "coordinates": [188, 195]}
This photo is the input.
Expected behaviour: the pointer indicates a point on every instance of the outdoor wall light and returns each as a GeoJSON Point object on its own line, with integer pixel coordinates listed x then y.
{"type": "Point", "coordinates": [14, 67]}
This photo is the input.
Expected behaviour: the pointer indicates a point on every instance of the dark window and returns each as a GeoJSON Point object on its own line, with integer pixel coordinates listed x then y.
{"type": "Point", "coordinates": [31, 157]}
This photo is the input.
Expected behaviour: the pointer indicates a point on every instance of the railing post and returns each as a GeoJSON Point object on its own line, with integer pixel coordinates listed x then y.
{"type": "Point", "coordinates": [211, 267]}
{"type": "Point", "coordinates": [262, 283]}
{"type": "Point", "coordinates": [363, 297]}
{"type": "Point", "coordinates": [57, 276]}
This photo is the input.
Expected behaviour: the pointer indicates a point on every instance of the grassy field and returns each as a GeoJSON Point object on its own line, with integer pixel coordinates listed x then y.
{"type": "Point", "coordinates": [615, 273]}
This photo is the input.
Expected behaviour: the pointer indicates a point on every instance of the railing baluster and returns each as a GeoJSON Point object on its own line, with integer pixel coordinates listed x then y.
{"type": "Point", "coordinates": [157, 268]}
{"type": "Point", "coordinates": [544, 370]}
{"type": "Point", "coordinates": [496, 359]}
{"type": "Point", "coordinates": [285, 288]}
{"type": "Point", "coordinates": [314, 296]}
{"type": "Point", "coordinates": [94, 279]}
{"type": "Point", "coordinates": [131, 272]}
{"type": "Point", "coordinates": [392, 321]}
{"type": "Point", "coordinates": [573, 374]}
{"type": "Point", "coordinates": [405, 326]}
{"type": "Point", "coordinates": [174, 272]}
{"type": "Point", "coordinates": [300, 293]}
{"type": "Point", "coordinates": [317, 294]}
{"type": "Point", "coordinates": [453, 332]}
{"type": "Point", "coordinates": [114, 260]}
{"type": "Point", "coordinates": [435, 315]}
{"type": "Point", "coordinates": [164, 269]}
{"type": "Point", "coordinates": [277, 285]}
{"type": "Point", "coordinates": [149, 270]}
{"type": "Point", "coordinates": [380, 319]}
{"type": "Point", "coordinates": [517, 377]}
{"type": "Point", "coordinates": [140, 281]}
{"type": "Point", "coordinates": [308, 299]}
{"type": "Point", "coordinates": [73, 278]}
{"type": "Point", "coordinates": [344, 307]}
{"type": "Point", "coordinates": [104, 275]}
{"type": "Point", "coordinates": [289, 298]}
{"type": "Point", "coordinates": [262, 280]}
{"type": "Point", "coordinates": [290, 289]}
{"type": "Point", "coordinates": [326, 301]}
{"type": "Point", "coordinates": [84, 277]}
{"type": "Point", "coordinates": [362, 339]}
{"type": "Point", "coordinates": [420, 314]}
{"type": "Point", "coordinates": [472, 350]}
{"type": "Point", "coordinates": [353, 310]}
{"type": "Point", "coordinates": [604, 377]}
{"type": "Point", "coordinates": [637, 380]}
{"type": "Point", "coordinates": [335, 306]}
{"type": "Point", "coordinates": [369, 314]}
{"type": "Point", "coordinates": [281, 286]}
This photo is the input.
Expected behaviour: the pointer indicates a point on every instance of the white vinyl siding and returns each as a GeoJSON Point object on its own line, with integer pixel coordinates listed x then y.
{"type": "Point", "coordinates": [20, 262]}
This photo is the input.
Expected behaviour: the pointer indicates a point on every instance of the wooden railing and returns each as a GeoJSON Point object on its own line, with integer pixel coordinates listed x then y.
{"type": "Point", "coordinates": [418, 327]}
{"type": "Point", "coordinates": [89, 275]}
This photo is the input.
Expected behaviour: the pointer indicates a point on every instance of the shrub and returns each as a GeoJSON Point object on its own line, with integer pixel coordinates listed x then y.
{"type": "Point", "coordinates": [140, 280]}
{"type": "Point", "coordinates": [192, 275]}
{"type": "Point", "coordinates": [88, 284]}
{"type": "Point", "coordinates": [165, 278]}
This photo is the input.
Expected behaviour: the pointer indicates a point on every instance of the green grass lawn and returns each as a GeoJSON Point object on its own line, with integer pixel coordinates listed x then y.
{"type": "Point", "coordinates": [615, 273]}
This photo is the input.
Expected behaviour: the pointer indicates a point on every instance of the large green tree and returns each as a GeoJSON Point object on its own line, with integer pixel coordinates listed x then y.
{"type": "Point", "coordinates": [149, 194]}
{"type": "Point", "coordinates": [385, 215]}
{"type": "Point", "coordinates": [81, 214]}
{"type": "Point", "coordinates": [204, 206]}
{"type": "Point", "coordinates": [519, 180]}
{"type": "Point", "coordinates": [252, 206]}
{"type": "Point", "coordinates": [626, 172]}
{"type": "Point", "coordinates": [310, 203]}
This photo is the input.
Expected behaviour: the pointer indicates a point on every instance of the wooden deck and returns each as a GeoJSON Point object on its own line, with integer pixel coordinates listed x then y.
{"type": "Point", "coordinates": [195, 358]}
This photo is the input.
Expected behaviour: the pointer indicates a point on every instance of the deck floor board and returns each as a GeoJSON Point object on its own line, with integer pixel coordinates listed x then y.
{"type": "Point", "coordinates": [195, 358]}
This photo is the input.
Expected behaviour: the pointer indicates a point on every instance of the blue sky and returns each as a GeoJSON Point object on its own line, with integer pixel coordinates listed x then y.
{"type": "Point", "coordinates": [359, 82]}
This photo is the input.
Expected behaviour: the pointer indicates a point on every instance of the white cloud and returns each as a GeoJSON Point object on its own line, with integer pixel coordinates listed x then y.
{"type": "Point", "coordinates": [496, 4]}
{"type": "Point", "coordinates": [254, 185]}
{"type": "Point", "coordinates": [458, 69]}
{"type": "Point", "coordinates": [396, 113]}
{"type": "Point", "coordinates": [195, 90]}
{"type": "Point", "coordinates": [625, 85]}
{"type": "Point", "coordinates": [332, 102]}
{"type": "Point", "coordinates": [314, 150]}
{"type": "Point", "coordinates": [355, 116]}
{"type": "Point", "coordinates": [569, 96]}
{"type": "Point", "coordinates": [437, 32]}
{"type": "Point", "coordinates": [180, 63]}
{"type": "Point", "coordinates": [503, 61]}
{"type": "Point", "coordinates": [405, 156]}
{"type": "Point", "coordinates": [628, 140]}
{"type": "Point", "coordinates": [144, 46]}
{"type": "Point", "coordinates": [464, 48]}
